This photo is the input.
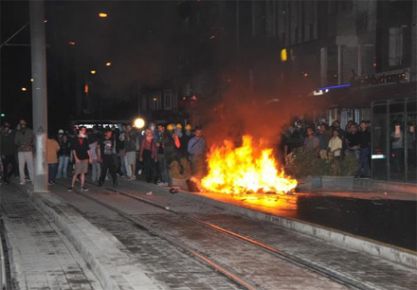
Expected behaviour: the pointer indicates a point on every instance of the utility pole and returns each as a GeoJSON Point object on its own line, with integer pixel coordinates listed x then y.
{"type": "Point", "coordinates": [237, 19]}
{"type": "Point", "coordinates": [39, 93]}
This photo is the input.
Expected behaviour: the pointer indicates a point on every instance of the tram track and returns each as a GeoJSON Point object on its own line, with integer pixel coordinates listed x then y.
{"type": "Point", "coordinates": [332, 275]}
{"type": "Point", "coordinates": [5, 277]}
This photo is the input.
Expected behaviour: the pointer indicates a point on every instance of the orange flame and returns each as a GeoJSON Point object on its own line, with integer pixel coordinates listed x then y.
{"type": "Point", "coordinates": [245, 169]}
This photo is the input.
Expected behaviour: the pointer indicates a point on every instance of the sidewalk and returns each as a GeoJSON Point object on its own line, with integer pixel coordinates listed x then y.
{"type": "Point", "coordinates": [54, 255]}
{"type": "Point", "coordinates": [40, 257]}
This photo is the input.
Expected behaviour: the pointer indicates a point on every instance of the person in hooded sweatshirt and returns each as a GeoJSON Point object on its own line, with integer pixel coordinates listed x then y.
{"type": "Point", "coordinates": [24, 141]}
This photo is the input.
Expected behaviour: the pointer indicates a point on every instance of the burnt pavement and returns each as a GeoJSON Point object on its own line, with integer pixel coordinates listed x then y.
{"type": "Point", "coordinates": [140, 236]}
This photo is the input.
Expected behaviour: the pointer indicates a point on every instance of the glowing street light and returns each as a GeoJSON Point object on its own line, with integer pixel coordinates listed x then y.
{"type": "Point", "coordinates": [102, 14]}
{"type": "Point", "coordinates": [108, 63]}
{"type": "Point", "coordinates": [139, 123]}
{"type": "Point", "coordinates": [72, 43]}
{"type": "Point", "coordinates": [284, 55]}
{"type": "Point", "coordinates": [93, 71]}
{"type": "Point", "coordinates": [23, 89]}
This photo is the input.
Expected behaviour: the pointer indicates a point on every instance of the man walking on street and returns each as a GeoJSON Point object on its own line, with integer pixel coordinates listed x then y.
{"type": "Point", "coordinates": [24, 142]}
{"type": "Point", "coordinates": [81, 155]}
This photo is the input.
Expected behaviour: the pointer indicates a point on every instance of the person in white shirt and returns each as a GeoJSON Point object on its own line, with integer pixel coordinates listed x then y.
{"type": "Point", "coordinates": [335, 151]}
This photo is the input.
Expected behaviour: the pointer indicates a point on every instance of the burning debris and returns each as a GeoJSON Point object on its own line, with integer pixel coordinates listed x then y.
{"type": "Point", "coordinates": [247, 169]}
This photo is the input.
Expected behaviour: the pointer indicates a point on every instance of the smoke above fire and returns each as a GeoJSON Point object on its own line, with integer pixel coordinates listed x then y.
{"type": "Point", "coordinates": [262, 115]}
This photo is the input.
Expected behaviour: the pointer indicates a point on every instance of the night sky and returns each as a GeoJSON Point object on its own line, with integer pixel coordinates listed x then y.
{"type": "Point", "coordinates": [142, 40]}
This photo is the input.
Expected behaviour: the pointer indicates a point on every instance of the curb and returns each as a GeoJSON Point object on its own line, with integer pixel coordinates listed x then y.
{"type": "Point", "coordinates": [342, 239]}
{"type": "Point", "coordinates": [101, 251]}
{"type": "Point", "coordinates": [349, 183]}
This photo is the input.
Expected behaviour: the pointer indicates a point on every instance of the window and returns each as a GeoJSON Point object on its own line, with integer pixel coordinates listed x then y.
{"type": "Point", "coordinates": [395, 46]}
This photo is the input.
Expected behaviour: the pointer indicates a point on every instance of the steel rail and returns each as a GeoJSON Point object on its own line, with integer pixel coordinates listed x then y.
{"type": "Point", "coordinates": [239, 281]}
{"type": "Point", "coordinates": [4, 278]}
{"type": "Point", "coordinates": [328, 273]}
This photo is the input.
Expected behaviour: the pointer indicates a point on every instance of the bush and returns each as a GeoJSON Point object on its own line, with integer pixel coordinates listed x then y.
{"type": "Point", "coordinates": [303, 163]}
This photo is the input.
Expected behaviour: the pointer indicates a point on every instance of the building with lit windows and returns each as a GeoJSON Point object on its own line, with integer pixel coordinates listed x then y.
{"type": "Point", "coordinates": [357, 55]}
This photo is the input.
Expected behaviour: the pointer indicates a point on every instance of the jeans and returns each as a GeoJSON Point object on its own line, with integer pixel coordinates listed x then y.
{"type": "Point", "coordinates": [197, 165]}
{"type": "Point", "coordinates": [52, 168]}
{"type": "Point", "coordinates": [163, 168]}
{"type": "Point", "coordinates": [95, 171]}
{"type": "Point", "coordinates": [108, 165]}
{"type": "Point", "coordinates": [149, 166]}
{"type": "Point", "coordinates": [62, 166]}
{"type": "Point", "coordinates": [25, 157]}
{"type": "Point", "coordinates": [363, 162]}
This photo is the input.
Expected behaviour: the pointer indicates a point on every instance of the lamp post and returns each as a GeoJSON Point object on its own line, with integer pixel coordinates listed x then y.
{"type": "Point", "coordinates": [39, 94]}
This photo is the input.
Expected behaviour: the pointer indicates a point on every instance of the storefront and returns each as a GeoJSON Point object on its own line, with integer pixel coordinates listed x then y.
{"type": "Point", "coordinates": [394, 140]}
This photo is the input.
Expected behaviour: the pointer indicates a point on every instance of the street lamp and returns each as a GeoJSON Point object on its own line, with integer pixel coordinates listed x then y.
{"type": "Point", "coordinates": [102, 14]}
{"type": "Point", "coordinates": [23, 89]}
{"type": "Point", "coordinates": [284, 55]}
{"type": "Point", "coordinates": [93, 71]}
{"type": "Point", "coordinates": [108, 63]}
{"type": "Point", "coordinates": [139, 123]}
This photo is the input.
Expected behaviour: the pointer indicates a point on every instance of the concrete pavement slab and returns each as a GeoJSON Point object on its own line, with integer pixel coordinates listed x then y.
{"type": "Point", "coordinates": [41, 256]}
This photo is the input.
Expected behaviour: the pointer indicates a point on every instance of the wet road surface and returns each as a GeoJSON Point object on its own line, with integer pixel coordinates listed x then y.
{"type": "Point", "coordinates": [386, 220]}
{"type": "Point", "coordinates": [389, 221]}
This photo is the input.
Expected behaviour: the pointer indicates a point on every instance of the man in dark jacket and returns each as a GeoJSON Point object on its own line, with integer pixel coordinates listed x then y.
{"type": "Point", "coordinates": [8, 151]}
{"type": "Point", "coordinates": [364, 138]}
{"type": "Point", "coordinates": [108, 156]}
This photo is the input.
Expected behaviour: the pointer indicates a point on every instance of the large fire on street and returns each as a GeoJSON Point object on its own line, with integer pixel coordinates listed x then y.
{"type": "Point", "coordinates": [249, 171]}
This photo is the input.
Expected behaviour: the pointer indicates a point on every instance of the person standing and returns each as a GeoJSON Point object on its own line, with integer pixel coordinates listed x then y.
{"type": "Point", "coordinates": [352, 141]}
{"type": "Point", "coordinates": [52, 148]}
{"type": "Point", "coordinates": [8, 151]}
{"type": "Point", "coordinates": [323, 137]}
{"type": "Point", "coordinates": [197, 150]}
{"type": "Point", "coordinates": [311, 142]}
{"type": "Point", "coordinates": [162, 164]}
{"type": "Point", "coordinates": [364, 150]}
{"type": "Point", "coordinates": [130, 155]}
{"type": "Point", "coordinates": [81, 158]}
{"type": "Point", "coordinates": [24, 142]}
{"type": "Point", "coordinates": [95, 158]}
{"type": "Point", "coordinates": [149, 156]}
{"type": "Point", "coordinates": [107, 154]}
{"type": "Point", "coordinates": [184, 139]}
{"type": "Point", "coordinates": [64, 154]}
{"type": "Point", "coordinates": [397, 148]}
{"type": "Point", "coordinates": [335, 151]}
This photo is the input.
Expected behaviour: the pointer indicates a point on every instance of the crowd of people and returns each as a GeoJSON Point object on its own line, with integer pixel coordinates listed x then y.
{"type": "Point", "coordinates": [330, 143]}
{"type": "Point", "coordinates": [101, 152]}
{"type": "Point", "coordinates": [334, 144]}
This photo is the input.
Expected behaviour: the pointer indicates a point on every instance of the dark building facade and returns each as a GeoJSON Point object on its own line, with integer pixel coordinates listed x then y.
{"type": "Point", "coordinates": [358, 56]}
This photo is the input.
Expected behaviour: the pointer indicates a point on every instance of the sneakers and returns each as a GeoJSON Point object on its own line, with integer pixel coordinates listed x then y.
{"type": "Point", "coordinates": [22, 183]}
{"type": "Point", "coordinates": [70, 188]}
{"type": "Point", "coordinates": [84, 188]}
